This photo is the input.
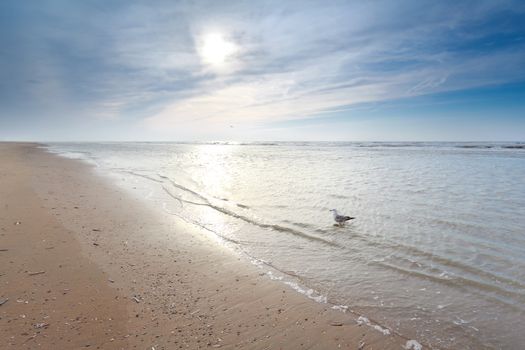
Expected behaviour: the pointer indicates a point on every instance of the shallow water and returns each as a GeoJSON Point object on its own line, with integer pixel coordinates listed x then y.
{"type": "Point", "coordinates": [437, 252]}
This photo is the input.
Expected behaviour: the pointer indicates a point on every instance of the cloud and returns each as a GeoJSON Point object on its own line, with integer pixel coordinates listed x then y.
{"type": "Point", "coordinates": [299, 62]}
{"type": "Point", "coordinates": [139, 63]}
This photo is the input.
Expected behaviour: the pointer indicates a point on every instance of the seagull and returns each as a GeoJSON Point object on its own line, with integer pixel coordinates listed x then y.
{"type": "Point", "coordinates": [340, 219]}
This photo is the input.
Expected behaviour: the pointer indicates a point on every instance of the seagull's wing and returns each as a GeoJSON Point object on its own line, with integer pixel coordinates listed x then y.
{"type": "Point", "coordinates": [342, 218]}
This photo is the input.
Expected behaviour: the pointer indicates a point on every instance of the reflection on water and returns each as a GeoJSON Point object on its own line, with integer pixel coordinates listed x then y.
{"type": "Point", "coordinates": [437, 251]}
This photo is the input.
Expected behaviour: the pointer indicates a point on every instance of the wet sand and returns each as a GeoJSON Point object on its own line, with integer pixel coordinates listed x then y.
{"type": "Point", "coordinates": [85, 264]}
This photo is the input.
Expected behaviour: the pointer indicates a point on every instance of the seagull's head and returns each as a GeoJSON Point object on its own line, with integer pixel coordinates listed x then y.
{"type": "Point", "coordinates": [333, 210]}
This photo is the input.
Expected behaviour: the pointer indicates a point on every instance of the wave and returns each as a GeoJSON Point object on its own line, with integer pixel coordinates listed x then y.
{"type": "Point", "coordinates": [475, 146]}
{"type": "Point", "coordinates": [508, 287]}
{"type": "Point", "coordinates": [259, 144]}
{"type": "Point", "coordinates": [206, 202]}
{"type": "Point", "coordinates": [393, 145]}
{"type": "Point", "coordinates": [489, 146]}
{"type": "Point", "coordinates": [143, 176]}
{"type": "Point", "coordinates": [413, 253]}
{"type": "Point", "coordinates": [491, 291]}
{"type": "Point", "coordinates": [227, 239]}
{"type": "Point", "coordinates": [274, 227]}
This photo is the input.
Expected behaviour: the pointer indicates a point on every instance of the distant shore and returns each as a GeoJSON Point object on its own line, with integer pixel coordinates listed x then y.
{"type": "Point", "coordinates": [86, 265]}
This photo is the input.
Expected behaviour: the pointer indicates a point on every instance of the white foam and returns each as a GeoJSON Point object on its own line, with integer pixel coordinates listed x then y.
{"type": "Point", "coordinates": [310, 293]}
{"type": "Point", "coordinates": [273, 277]}
{"type": "Point", "coordinates": [342, 308]}
{"type": "Point", "coordinates": [459, 321]}
{"type": "Point", "coordinates": [73, 155]}
{"type": "Point", "coordinates": [413, 345]}
{"type": "Point", "coordinates": [363, 320]}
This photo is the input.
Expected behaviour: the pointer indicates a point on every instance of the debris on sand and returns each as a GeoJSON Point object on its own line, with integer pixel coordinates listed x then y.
{"type": "Point", "coordinates": [31, 337]}
{"type": "Point", "coordinates": [3, 301]}
{"type": "Point", "coordinates": [41, 325]}
{"type": "Point", "coordinates": [36, 273]}
{"type": "Point", "coordinates": [413, 344]}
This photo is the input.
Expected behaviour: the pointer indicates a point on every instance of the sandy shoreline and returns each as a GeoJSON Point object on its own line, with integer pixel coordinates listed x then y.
{"type": "Point", "coordinates": [86, 265]}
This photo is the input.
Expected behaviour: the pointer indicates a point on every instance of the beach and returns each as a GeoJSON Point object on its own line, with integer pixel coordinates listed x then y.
{"type": "Point", "coordinates": [85, 264]}
{"type": "Point", "coordinates": [435, 252]}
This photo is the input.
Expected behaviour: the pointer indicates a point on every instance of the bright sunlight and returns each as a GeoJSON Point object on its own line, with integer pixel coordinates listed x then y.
{"type": "Point", "coordinates": [215, 49]}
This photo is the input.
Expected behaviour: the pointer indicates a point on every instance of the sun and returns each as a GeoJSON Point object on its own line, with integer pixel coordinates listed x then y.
{"type": "Point", "coordinates": [216, 50]}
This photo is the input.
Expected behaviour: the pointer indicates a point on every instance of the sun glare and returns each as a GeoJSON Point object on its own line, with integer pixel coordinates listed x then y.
{"type": "Point", "coordinates": [215, 49]}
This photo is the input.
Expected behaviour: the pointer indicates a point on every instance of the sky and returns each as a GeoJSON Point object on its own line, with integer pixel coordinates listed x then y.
{"type": "Point", "coordinates": [414, 70]}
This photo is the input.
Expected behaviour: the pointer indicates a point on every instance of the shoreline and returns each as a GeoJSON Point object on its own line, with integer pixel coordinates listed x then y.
{"type": "Point", "coordinates": [152, 280]}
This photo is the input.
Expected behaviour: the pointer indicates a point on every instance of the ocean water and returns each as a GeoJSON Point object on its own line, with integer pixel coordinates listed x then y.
{"type": "Point", "coordinates": [437, 249]}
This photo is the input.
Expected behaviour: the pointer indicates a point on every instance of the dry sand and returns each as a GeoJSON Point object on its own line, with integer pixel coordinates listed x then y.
{"type": "Point", "coordinates": [85, 264]}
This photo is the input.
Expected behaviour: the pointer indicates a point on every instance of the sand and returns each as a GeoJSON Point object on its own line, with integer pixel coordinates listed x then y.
{"type": "Point", "coordinates": [85, 264]}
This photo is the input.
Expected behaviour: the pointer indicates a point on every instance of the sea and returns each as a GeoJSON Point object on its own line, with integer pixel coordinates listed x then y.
{"type": "Point", "coordinates": [436, 252]}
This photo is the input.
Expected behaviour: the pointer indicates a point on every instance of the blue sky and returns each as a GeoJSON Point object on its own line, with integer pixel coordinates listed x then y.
{"type": "Point", "coordinates": [262, 70]}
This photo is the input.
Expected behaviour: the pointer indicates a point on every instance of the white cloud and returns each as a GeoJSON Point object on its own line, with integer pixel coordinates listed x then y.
{"type": "Point", "coordinates": [292, 60]}
{"type": "Point", "coordinates": [301, 62]}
